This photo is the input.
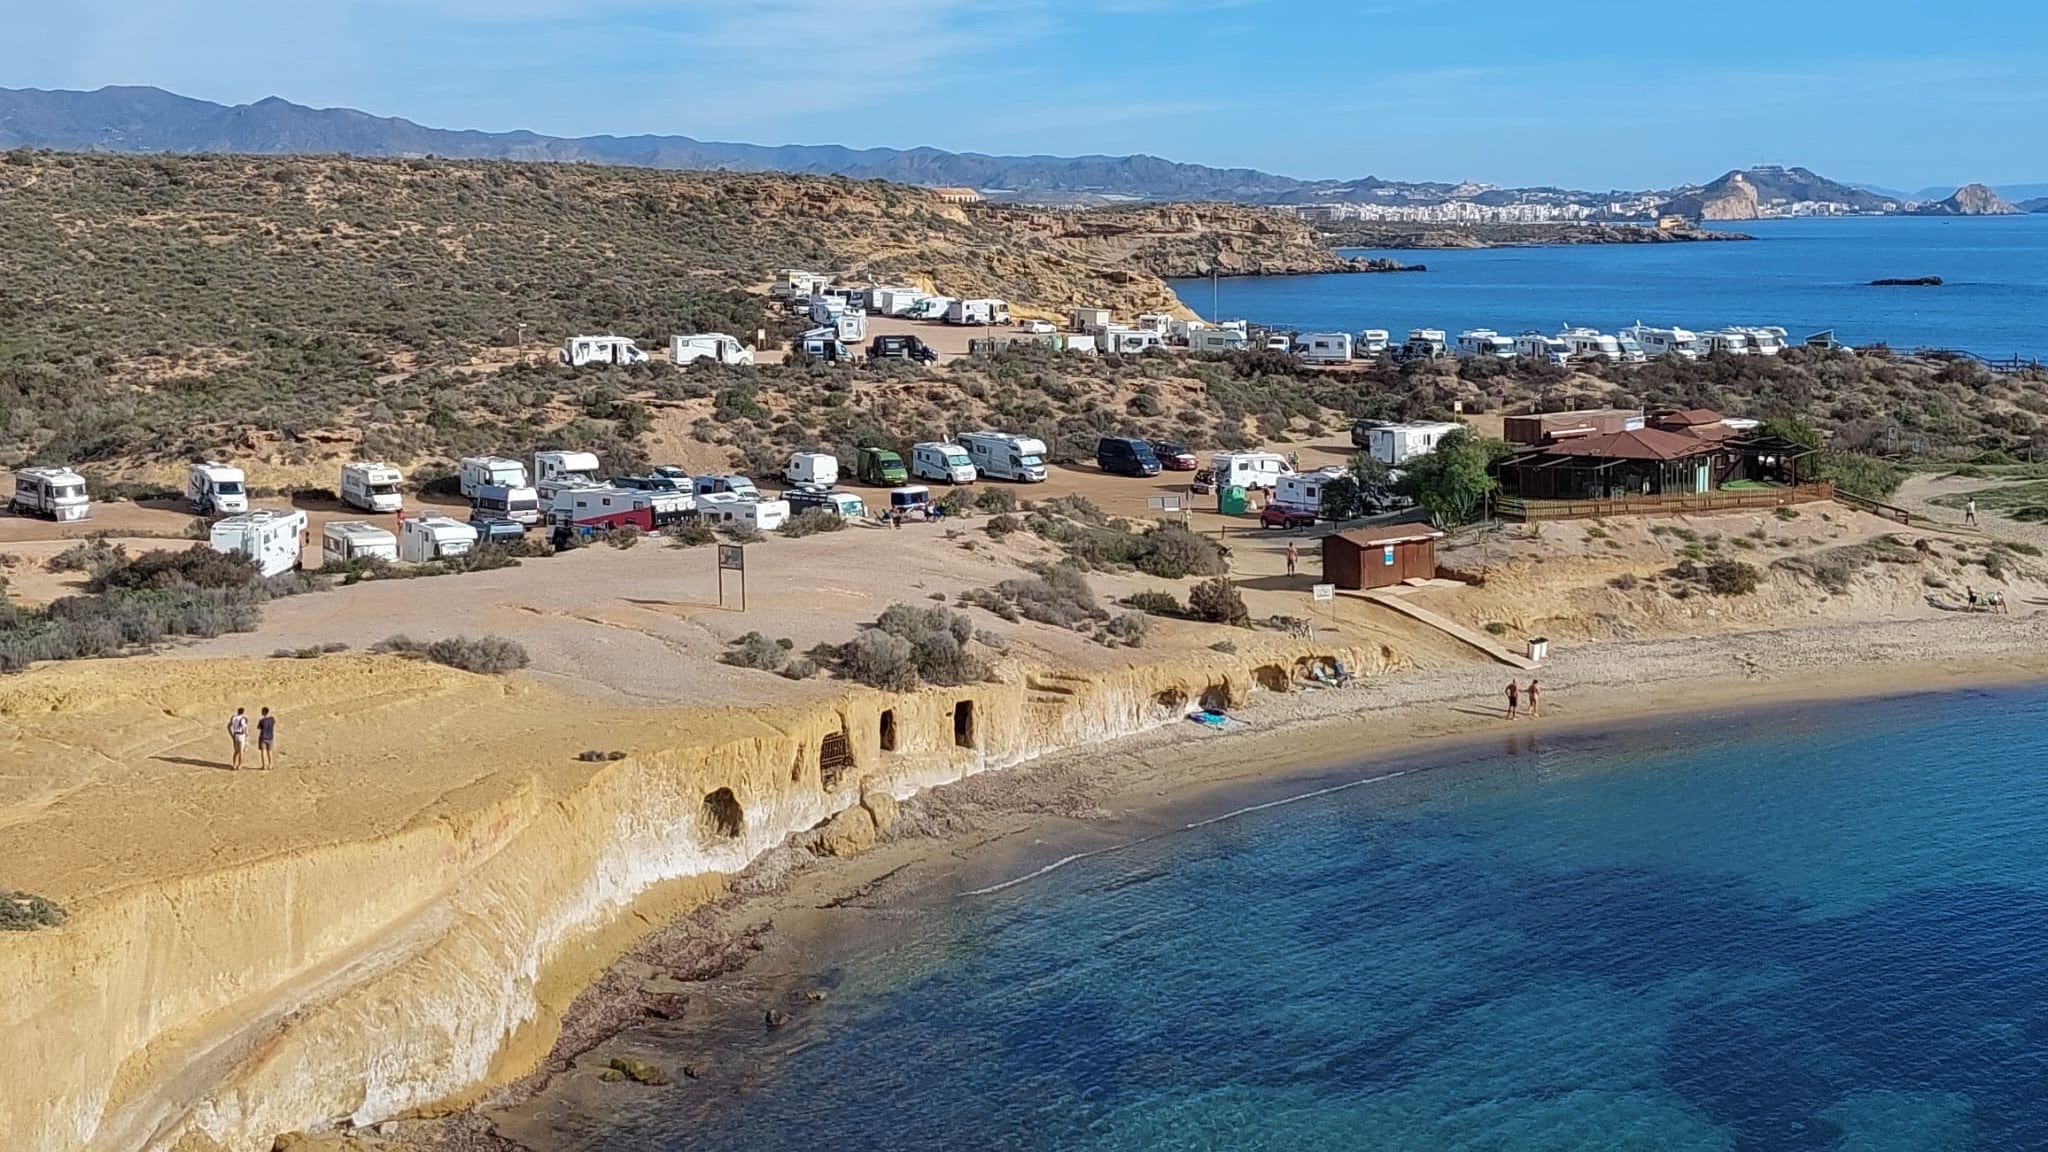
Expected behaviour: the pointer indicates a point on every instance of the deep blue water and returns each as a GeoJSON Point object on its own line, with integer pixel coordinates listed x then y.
{"type": "Point", "coordinates": [1805, 275]}
{"type": "Point", "coordinates": [1822, 929]}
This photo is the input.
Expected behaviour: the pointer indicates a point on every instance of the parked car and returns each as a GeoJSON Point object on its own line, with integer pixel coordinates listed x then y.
{"type": "Point", "coordinates": [1174, 457]}
{"type": "Point", "coordinates": [1038, 328]}
{"type": "Point", "coordinates": [1282, 516]}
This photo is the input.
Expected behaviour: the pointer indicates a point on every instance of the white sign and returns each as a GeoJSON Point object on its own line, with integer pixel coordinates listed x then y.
{"type": "Point", "coordinates": [1325, 592]}
{"type": "Point", "coordinates": [1163, 503]}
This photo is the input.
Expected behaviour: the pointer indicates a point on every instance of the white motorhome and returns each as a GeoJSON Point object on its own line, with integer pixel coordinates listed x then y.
{"type": "Point", "coordinates": [578, 351]}
{"type": "Point", "coordinates": [852, 327]}
{"type": "Point", "coordinates": [733, 508]}
{"type": "Point", "coordinates": [476, 472]}
{"type": "Point", "coordinates": [716, 347]}
{"type": "Point", "coordinates": [1130, 341]}
{"type": "Point", "coordinates": [1217, 340]}
{"type": "Point", "coordinates": [978, 312]}
{"type": "Point", "coordinates": [1537, 346]}
{"type": "Point", "coordinates": [931, 308]}
{"type": "Point", "coordinates": [1657, 342]}
{"type": "Point", "coordinates": [844, 505]}
{"type": "Point", "coordinates": [732, 483]}
{"type": "Point", "coordinates": [1372, 342]}
{"type": "Point", "coordinates": [791, 283]}
{"type": "Point", "coordinates": [819, 468]}
{"type": "Point", "coordinates": [343, 541]}
{"type": "Point", "coordinates": [268, 536]}
{"type": "Point", "coordinates": [1090, 319]}
{"type": "Point", "coordinates": [1396, 444]}
{"type": "Point", "coordinates": [1728, 341]}
{"type": "Point", "coordinates": [1323, 347]}
{"type": "Point", "coordinates": [1483, 344]}
{"type": "Point", "coordinates": [1591, 344]}
{"type": "Point", "coordinates": [565, 466]}
{"type": "Point", "coordinates": [1006, 457]}
{"type": "Point", "coordinates": [555, 492]}
{"type": "Point", "coordinates": [520, 505]}
{"type": "Point", "coordinates": [824, 344]}
{"type": "Point", "coordinates": [889, 300]}
{"type": "Point", "coordinates": [58, 493]}
{"type": "Point", "coordinates": [423, 539]}
{"type": "Point", "coordinates": [937, 460]}
{"type": "Point", "coordinates": [213, 487]}
{"type": "Point", "coordinates": [372, 487]}
{"type": "Point", "coordinates": [1158, 322]}
{"type": "Point", "coordinates": [1249, 470]}
{"type": "Point", "coordinates": [1304, 490]}
{"type": "Point", "coordinates": [1183, 331]}
{"type": "Point", "coordinates": [826, 310]}
{"type": "Point", "coordinates": [1767, 341]}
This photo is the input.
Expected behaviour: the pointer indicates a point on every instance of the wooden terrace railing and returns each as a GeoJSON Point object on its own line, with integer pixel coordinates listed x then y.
{"type": "Point", "coordinates": [1516, 508]}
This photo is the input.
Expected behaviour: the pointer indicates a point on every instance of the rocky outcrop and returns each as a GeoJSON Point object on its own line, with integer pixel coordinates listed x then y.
{"type": "Point", "coordinates": [1732, 197]}
{"type": "Point", "coordinates": [1969, 200]}
{"type": "Point", "coordinates": [1907, 282]}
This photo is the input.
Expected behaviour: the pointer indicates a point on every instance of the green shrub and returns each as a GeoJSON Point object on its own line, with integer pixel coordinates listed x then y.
{"type": "Point", "coordinates": [756, 651]}
{"type": "Point", "coordinates": [1173, 552]}
{"type": "Point", "coordinates": [1156, 603]}
{"type": "Point", "coordinates": [810, 522]}
{"type": "Point", "coordinates": [22, 912]}
{"type": "Point", "coordinates": [992, 499]}
{"type": "Point", "coordinates": [1216, 601]}
{"type": "Point", "coordinates": [691, 533]}
{"type": "Point", "coordinates": [1059, 596]}
{"type": "Point", "coordinates": [1731, 578]}
{"type": "Point", "coordinates": [1131, 628]}
{"type": "Point", "coordinates": [484, 655]}
{"type": "Point", "coordinates": [1002, 525]}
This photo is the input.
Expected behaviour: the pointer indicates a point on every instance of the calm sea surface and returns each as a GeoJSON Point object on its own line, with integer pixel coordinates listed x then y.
{"type": "Point", "coordinates": [1822, 929]}
{"type": "Point", "coordinates": [1805, 275]}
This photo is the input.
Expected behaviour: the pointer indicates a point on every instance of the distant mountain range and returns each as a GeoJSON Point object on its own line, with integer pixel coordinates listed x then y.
{"type": "Point", "coordinates": [143, 119]}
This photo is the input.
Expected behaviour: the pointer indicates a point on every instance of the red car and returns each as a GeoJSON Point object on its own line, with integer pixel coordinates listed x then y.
{"type": "Point", "coordinates": [1281, 516]}
{"type": "Point", "coordinates": [1174, 457]}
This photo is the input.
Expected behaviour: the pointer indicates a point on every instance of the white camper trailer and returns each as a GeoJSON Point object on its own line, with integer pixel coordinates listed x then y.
{"type": "Point", "coordinates": [937, 460]}
{"type": "Point", "coordinates": [1323, 347]}
{"type": "Point", "coordinates": [1217, 340]}
{"type": "Point", "coordinates": [477, 472]}
{"type": "Point", "coordinates": [1371, 343]}
{"type": "Point", "coordinates": [565, 466]}
{"type": "Point", "coordinates": [733, 508]}
{"type": "Point", "coordinates": [978, 312]}
{"type": "Point", "coordinates": [427, 538]}
{"type": "Point", "coordinates": [895, 301]}
{"type": "Point", "coordinates": [1483, 344]}
{"type": "Point", "coordinates": [372, 487]}
{"type": "Point", "coordinates": [1006, 457]}
{"type": "Point", "coordinates": [213, 487]}
{"type": "Point", "coordinates": [1396, 444]}
{"type": "Point", "coordinates": [1304, 490]}
{"type": "Point", "coordinates": [1130, 341]}
{"type": "Point", "coordinates": [815, 468]}
{"type": "Point", "coordinates": [58, 493]}
{"type": "Point", "coordinates": [343, 541]}
{"type": "Point", "coordinates": [716, 347]}
{"type": "Point", "coordinates": [578, 351]}
{"type": "Point", "coordinates": [792, 283]}
{"type": "Point", "coordinates": [1249, 470]}
{"type": "Point", "coordinates": [268, 536]}
{"type": "Point", "coordinates": [521, 505]}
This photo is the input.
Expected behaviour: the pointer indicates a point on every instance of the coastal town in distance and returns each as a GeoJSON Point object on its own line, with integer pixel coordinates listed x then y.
{"type": "Point", "coordinates": [1052, 614]}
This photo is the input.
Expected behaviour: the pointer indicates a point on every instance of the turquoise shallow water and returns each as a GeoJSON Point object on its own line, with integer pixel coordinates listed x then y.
{"type": "Point", "coordinates": [1820, 929]}
{"type": "Point", "coordinates": [1806, 275]}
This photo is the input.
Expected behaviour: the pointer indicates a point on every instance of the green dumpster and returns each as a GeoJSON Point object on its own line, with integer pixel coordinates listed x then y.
{"type": "Point", "coordinates": [1230, 500]}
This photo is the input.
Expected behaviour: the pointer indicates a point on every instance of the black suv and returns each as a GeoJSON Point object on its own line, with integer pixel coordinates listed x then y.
{"type": "Point", "coordinates": [904, 347]}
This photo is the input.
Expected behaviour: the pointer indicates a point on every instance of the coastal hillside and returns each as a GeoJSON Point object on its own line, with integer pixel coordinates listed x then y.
{"type": "Point", "coordinates": [1741, 195]}
{"type": "Point", "coordinates": [1969, 200]}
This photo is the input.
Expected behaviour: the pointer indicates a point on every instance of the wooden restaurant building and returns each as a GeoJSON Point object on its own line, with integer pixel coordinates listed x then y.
{"type": "Point", "coordinates": [1682, 459]}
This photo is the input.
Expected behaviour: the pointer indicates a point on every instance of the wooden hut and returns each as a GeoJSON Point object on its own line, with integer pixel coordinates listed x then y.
{"type": "Point", "coordinates": [1380, 556]}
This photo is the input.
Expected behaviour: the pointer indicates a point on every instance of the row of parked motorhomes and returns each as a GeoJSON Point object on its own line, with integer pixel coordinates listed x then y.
{"type": "Point", "coordinates": [1631, 345]}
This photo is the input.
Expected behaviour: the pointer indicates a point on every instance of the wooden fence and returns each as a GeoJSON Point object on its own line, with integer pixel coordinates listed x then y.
{"type": "Point", "coordinates": [1515, 508]}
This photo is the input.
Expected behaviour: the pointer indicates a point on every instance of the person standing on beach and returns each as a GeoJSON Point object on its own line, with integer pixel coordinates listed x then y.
{"type": "Point", "coordinates": [1514, 699]}
{"type": "Point", "coordinates": [1293, 555]}
{"type": "Point", "coordinates": [238, 733]}
{"type": "Point", "coordinates": [1531, 694]}
{"type": "Point", "coordinates": [1970, 512]}
{"type": "Point", "coordinates": [266, 732]}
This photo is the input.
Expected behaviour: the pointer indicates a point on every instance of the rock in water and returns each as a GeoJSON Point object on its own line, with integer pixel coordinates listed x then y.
{"type": "Point", "coordinates": [1907, 282]}
{"type": "Point", "coordinates": [638, 1071]}
{"type": "Point", "coordinates": [775, 1018]}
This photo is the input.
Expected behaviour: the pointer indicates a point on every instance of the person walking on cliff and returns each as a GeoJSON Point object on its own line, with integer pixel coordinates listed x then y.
{"type": "Point", "coordinates": [238, 734]}
{"type": "Point", "coordinates": [266, 732]}
{"type": "Point", "coordinates": [1514, 699]}
{"type": "Point", "coordinates": [1293, 556]}
{"type": "Point", "coordinates": [1970, 512]}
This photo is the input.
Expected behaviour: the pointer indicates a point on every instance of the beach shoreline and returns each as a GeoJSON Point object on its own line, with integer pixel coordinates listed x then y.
{"type": "Point", "coordinates": [770, 944]}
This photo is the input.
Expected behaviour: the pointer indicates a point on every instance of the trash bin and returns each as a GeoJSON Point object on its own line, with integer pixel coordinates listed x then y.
{"type": "Point", "coordinates": [1538, 646]}
{"type": "Point", "coordinates": [1230, 500]}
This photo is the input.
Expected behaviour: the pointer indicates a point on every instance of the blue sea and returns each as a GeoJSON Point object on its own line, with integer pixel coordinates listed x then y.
{"type": "Point", "coordinates": [1804, 275]}
{"type": "Point", "coordinates": [1822, 928]}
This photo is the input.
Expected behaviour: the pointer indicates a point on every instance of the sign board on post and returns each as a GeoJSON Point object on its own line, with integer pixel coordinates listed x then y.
{"type": "Point", "coordinates": [732, 558]}
{"type": "Point", "coordinates": [1325, 593]}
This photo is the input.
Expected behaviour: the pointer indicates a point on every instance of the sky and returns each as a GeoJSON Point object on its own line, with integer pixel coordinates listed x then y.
{"type": "Point", "coordinates": [1595, 94]}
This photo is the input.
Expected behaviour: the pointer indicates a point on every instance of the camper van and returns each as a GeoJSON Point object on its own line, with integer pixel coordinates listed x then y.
{"type": "Point", "coordinates": [815, 468]}
{"type": "Point", "coordinates": [424, 539]}
{"type": "Point", "coordinates": [1549, 349]}
{"type": "Point", "coordinates": [1323, 347]}
{"type": "Point", "coordinates": [1396, 444]}
{"type": "Point", "coordinates": [565, 466]}
{"type": "Point", "coordinates": [902, 347]}
{"type": "Point", "coordinates": [477, 472]}
{"type": "Point", "coordinates": [1303, 491]}
{"type": "Point", "coordinates": [735, 484]}
{"type": "Point", "coordinates": [1130, 341]}
{"type": "Point", "coordinates": [937, 460]}
{"type": "Point", "coordinates": [1249, 470]}
{"type": "Point", "coordinates": [1006, 457]}
{"type": "Point", "coordinates": [1657, 342]}
{"type": "Point", "coordinates": [978, 312]}
{"type": "Point", "coordinates": [716, 347]}
{"type": "Point", "coordinates": [213, 487]}
{"type": "Point", "coordinates": [520, 505]}
{"type": "Point", "coordinates": [372, 487]}
{"type": "Point", "coordinates": [553, 492]}
{"type": "Point", "coordinates": [930, 308]}
{"type": "Point", "coordinates": [344, 541]}
{"type": "Point", "coordinates": [1727, 341]}
{"type": "Point", "coordinates": [578, 351]}
{"type": "Point", "coordinates": [1763, 341]}
{"type": "Point", "coordinates": [1591, 344]}
{"type": "Point", "coordinates": [825, 311]}
{"type": "Point", "coordinates": [268, 536]}
{"type": "Point", "coordinates": [57, 493]}
{"type": "Point", "coordinates": [1217, 340]}
{"type": "Point", "coordinates": [732, 508]}
{"type": "Point", "coordinates": [1123, 456]}
{"type": "Point", "coordinates": [792, 283]}
{"type": "Point", "coordinates": [879, 466]}
{"type": "Point", "coordinates": [1483, 344]}
{"type": "Point", "coordinates": [1371, 342]}
{"type": "Point", "coordinates": [1423, 344]}
{"type": "Point", "coordinates": [824, 344]}
{"type": "Point", "coordinates": [844, 505]}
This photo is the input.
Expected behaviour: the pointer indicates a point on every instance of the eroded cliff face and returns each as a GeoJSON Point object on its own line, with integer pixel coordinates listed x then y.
{"type": "Point", "coordinates": [352, 979]}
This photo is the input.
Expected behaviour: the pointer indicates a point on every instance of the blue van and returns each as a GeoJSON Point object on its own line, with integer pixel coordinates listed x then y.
{"type": "Point", "coordinates": [1123, 456]}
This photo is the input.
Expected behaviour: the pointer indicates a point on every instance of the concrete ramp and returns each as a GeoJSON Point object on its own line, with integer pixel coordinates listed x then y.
{"type": "Point", "coordinates": [1456, 631]}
